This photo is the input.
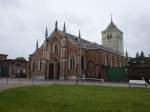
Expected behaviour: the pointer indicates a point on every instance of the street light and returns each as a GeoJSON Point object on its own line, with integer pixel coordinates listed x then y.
{"type": "Point", "coordinates": [46, 48]}
{"type": "Point", "coordinates": [77, 76]}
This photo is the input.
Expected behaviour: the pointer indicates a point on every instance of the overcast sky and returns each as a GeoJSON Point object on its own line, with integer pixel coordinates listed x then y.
{"type": "Point", "coordinates": [22, 22]}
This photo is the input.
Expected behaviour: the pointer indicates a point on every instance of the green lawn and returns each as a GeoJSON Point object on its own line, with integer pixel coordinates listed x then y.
{"type": "Point", "coordinates": [71, 98]}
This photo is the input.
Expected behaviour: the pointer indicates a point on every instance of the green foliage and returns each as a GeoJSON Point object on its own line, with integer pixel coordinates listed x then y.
{"type": "Point", "coordinates": [142, 55]}
{"type": "Point", "coordinates": [69, 98]}
{"type": "Point", "coordinates": [139, 59]}
{"type": "Point", "coordinates": [20, 59]}
{"type": "Point", "coordinates": [137, 55]}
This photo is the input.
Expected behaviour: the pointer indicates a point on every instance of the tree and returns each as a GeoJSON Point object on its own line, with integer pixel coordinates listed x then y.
{"type": "Point", "coordinates": [142, 55]}
{"type": "Point", "coordinates": [137, 55]}
{"type": "Point", "coordinates": [20, 59]}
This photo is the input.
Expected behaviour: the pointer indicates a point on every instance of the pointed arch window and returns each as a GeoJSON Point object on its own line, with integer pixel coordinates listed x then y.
{"type": "Point", "coordinates": [82, 62]}
{"type": "Point", "coordinates": [109, 36]}
{"type": "Point", "coordinates": [72, 62]}
{"type": "Point", "coordinates": [40, 65]}
{"type": "Point", "coordinates": [55, 48]}
{"type": "Point", "coordinates": [91, 70]}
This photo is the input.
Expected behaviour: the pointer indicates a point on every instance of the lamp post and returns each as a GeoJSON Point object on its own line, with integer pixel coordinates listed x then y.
{"type": "Point", "coordinates": [0, 68]}
{"type": "Point", "coordinates": [77, 76]}
{"type": "Point", "coordinates": [45, 70]}
{"type": "Point", "coordinates": [79, 59]}
{"type": "Point", "coordinates": [46, 49]}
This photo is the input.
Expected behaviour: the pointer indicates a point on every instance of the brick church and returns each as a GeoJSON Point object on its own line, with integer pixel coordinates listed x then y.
{"type": "Point", "coordinates": [66, 56]}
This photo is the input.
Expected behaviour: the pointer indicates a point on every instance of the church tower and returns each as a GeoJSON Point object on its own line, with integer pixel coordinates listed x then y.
{"type": "Point", "coordinates": [112, 38]}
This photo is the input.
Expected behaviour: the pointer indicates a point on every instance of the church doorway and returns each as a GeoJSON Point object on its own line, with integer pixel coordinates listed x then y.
{"type": "Point", "coordinates": [51, 71]}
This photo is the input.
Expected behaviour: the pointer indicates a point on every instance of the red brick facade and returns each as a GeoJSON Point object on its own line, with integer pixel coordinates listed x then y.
{"type": "Point", "coordinates": [65, 56]}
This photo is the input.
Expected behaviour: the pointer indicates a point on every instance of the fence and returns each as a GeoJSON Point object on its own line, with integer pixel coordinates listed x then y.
{"type": "Point", "coordinates": [26, 81]}
{"type": "Point", "coordinates": [115, 74]}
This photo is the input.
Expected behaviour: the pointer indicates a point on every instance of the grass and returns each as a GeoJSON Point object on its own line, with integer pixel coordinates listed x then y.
{"type": "Point", "coordinates": [70, 98]}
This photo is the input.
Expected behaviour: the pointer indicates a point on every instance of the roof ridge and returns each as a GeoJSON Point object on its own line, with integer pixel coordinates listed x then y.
{"type": "Point", "coordinates": [112, 26]}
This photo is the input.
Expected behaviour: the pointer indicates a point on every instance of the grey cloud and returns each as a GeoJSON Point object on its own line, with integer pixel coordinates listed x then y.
{"type": "Point", "coordinates": [137, 33]}
{"type": "Point", "coordinates": [23, 21]}
{"type": "Point", "coordinates": [10, 3]}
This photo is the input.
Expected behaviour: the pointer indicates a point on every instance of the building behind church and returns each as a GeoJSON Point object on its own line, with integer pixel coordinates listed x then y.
{"type": "Point", "coordinates": [13, 67]}
{"type": "Point", "coordinates": [66, 56]}
{"type": "Point", "coordinates": [138, 67]}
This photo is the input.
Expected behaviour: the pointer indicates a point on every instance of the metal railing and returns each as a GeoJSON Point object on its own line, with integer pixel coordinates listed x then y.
{"type": "Point", "coordinates": [81, 81]}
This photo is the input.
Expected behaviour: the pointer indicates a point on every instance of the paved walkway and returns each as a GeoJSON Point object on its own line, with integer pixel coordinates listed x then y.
{"type": "Point", "coordinates": [19, 82]}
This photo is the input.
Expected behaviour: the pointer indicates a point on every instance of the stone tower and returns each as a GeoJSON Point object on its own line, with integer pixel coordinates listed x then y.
{"type": "Point", "coordinates": [112, 38]}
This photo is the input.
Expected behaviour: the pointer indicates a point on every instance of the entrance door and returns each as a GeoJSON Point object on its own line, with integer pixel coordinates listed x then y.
{"type": "Point", "coordinates": [51, 71]}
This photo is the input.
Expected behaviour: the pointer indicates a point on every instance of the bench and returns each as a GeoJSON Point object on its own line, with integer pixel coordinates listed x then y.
{"type": "Point", "coordinates": [137, 82]}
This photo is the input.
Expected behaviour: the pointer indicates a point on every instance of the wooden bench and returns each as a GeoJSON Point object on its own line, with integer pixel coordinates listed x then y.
{"type": "Point", "coordinates": [137, 82]}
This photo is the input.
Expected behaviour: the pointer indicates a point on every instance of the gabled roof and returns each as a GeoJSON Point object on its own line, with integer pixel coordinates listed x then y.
{"type": "Point", "coordinates": [85, 44]}
{"type": "Point", "coordinates": [112, 27]}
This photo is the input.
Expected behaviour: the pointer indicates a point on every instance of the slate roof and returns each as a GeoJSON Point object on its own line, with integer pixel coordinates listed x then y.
{"type": "Point", "coordinates": [87, 44]}
{"type": "Point", "coordinates": [111, 27]}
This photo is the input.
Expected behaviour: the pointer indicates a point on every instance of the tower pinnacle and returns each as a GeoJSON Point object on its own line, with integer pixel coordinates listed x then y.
{"type": "Point", "coordinates": [64, 28]}
{"type": "Point", "coordinates": [79, 34]}
{"type": "Point", "coordinates": [37, 45]}
{"type": "Point", "coordinates": [46, 34]}
{"type": "Point", "coordinates": [56, 25]}
{"type": "Point", "coordinates": [111, 18]}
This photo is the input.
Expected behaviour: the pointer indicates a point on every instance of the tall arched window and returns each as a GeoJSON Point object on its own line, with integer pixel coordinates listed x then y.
{"type": "Point", "coordinates": [40, 65]}
{"type": "Point", "coordinates": [72, 62]}
{"type": "Point", "coordinates": [108, 60]}
{"type": "Point", "coordinates": [33, 67]}
{"type": "Point", "coordinates": [104, 60]}
{"type": "Point", "coordinates": [109, 36]}
{"type": "Point", "coordinates": [82, 62]}
{"type": "Point", "coordinates": [91, 70]}
{"type": "Point", "coordinates": [56, 49]}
